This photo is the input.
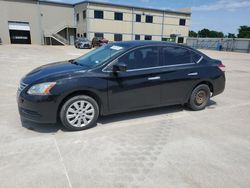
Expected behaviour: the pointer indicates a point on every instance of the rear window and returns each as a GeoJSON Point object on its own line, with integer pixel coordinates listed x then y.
{"type": "Point", "coordinates": [178, 55]}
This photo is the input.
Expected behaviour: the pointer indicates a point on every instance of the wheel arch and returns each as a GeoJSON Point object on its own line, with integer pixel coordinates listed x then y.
{"type": "Point", "coordinates": [206, 82]}
{"type": "Point", "coordinates": [80, 92]}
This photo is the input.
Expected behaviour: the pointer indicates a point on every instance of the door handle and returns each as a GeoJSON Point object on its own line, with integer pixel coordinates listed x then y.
{"type": "Point", "coordinates": [192, 73]}
{"type": "Point", "coordinates": [154, 78]}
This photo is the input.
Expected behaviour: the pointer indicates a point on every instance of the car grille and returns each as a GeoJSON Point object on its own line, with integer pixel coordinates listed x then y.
{"type": "Point", "coordinates": [22, 85]}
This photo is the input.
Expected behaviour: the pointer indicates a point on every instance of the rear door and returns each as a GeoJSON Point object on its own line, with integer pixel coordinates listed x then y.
{"type": "Point", "coordinates": [179, 73]}
{"type": "Point", "coordinates": [139, 86]}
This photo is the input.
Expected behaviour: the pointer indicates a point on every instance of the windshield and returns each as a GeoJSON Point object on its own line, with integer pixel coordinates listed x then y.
{"type": "Point", "coordinates": [99, 56]}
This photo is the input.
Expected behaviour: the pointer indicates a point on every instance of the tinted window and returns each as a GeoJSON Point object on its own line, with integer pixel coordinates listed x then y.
{"type": "Point", "coordinates": [137, 37]}
{"type": "Point", "coordinates": [117, 37]}
{"type": "Point", "coordinates": [149, 19]}
{"type": "Point", "coordinates": [176, 56]}
{"type": "Point", "coordinates": [148, 37]}
{"type": "Point", "coordinates": [141, 58]}
{"type": "Point", "coordinates": [118, 16]}
{"type": "Point", "coordinates": [195, 57]}
{"type": "Point", "coordinates": [99, 35]}
{"type": "Point", "coordinates": [182, 22]}
{"type": "Point", "coordinates": [84, 14]}
{"type": "Point", "coordinates": [98, 14]}
{"type": "Point", "coordinates": [138, 18]}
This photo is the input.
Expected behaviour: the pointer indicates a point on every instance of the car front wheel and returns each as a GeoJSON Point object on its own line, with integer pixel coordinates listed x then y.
{"type": "Point", "coordinates": [200, 97]}
{"type": "Point", "coordinates": [79, 113]}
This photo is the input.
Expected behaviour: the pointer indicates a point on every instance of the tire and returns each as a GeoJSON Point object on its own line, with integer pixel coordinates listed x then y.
{"type": "Point", "coordinates": [199, 97]}
{"type": "Point", "coordinates": [83, 117]}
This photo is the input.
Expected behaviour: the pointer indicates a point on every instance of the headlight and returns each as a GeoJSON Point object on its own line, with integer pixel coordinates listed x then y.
{"type": "Point", "coordinates": [41, 89]}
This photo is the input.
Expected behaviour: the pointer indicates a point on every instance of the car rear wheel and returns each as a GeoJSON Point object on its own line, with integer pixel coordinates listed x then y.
{"type": "Point", "coordinates": [79, 113]}
{"type": "Point", "coordinates": [199, 97]}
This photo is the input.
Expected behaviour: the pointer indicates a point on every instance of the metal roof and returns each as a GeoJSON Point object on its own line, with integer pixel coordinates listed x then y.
{"type": "Point", "coordinates": [117, 5]}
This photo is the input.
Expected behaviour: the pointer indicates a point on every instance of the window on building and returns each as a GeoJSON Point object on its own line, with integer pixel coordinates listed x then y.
{"type": "Point", "coordinates": [78, 35]}
{"type": "Point", "coordinates": [149, 19]}
{"type": "Point", "coordinates": [137, 37]}
{"type": "Point", "coordinates": [98, 14]}
{"type": "Point", "coordinates": [84, 14]}
{"type": "Point", "coordinates": [117, 37]}
{"type": "Point", "coordinates": [148, 37]}
{"type": "Point", "coordinates": [138, 18]}
{"type": "Point", "coordinates": [84, 35]}
{"type": "Point", "coordinates": [180, 39]}
{"type": "Point", "coordinates": [77, 17]}
{"type": "Point", "coordinates": [176, 55]}
{"type": "Point", "coordinates": [141, 58]}
{"type": "Point", "coordinates": [118, 16]}
{"type": "Point", "coordinates": [182, 22]}
{"type": "Point", "coordinates": [99, 35]}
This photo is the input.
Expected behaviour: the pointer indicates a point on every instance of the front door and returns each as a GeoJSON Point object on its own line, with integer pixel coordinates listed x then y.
{"type": "Point", "coordinates": [139, 86]}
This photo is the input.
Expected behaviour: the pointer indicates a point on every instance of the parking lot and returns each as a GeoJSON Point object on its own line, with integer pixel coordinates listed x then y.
{"type": "Point", "coordinates": [170, 147]}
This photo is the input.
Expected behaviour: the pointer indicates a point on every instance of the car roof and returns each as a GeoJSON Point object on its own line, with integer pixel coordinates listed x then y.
{"type": "Point", "coordinates": [136, 43]}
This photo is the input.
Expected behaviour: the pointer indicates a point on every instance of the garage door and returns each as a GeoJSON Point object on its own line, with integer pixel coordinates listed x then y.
{"type": "Point", "coordinates": [19, 33]}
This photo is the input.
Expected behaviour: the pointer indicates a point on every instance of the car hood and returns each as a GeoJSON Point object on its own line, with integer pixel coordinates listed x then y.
{"type": "Point", "coordinates": [50, 71]}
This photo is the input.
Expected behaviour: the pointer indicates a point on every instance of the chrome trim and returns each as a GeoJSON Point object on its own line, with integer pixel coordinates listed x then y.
{"type": "Point", "coordinates": [200, 59]}
{"type": "Point", "coordinates": [22, 86]}
{"type": "Point", "coordinates": [154, 78]}
{"type": "Point", "coordinates": [159, 67]}
{"type": "Point", "coordinates": [193, 74]}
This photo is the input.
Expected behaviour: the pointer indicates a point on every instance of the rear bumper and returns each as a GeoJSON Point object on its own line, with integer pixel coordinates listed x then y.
{"type": "Point", "coordinates": [40, 109]}
{"type": "Point", "coordinates": [219, 85]}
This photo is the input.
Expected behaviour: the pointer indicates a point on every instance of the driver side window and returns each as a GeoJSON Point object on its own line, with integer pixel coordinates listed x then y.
{"type": "Point", "coordinates": [145, 57]}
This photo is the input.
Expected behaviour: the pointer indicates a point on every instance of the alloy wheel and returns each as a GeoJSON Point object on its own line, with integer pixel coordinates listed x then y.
{"type": "Point", "coordinates": [80, 113]}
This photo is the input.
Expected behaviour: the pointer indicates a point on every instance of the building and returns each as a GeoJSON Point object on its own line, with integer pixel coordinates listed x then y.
{"type": "Point", "coordinates": [46, 22]}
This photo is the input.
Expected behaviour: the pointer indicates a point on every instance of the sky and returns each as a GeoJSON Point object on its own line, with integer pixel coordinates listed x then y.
{"type": "Point", "coordinates": [219, 15]}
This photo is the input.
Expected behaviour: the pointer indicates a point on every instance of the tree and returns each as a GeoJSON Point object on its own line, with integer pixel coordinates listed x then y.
{"type": "Point", "coordinates": [211, 34]}
{"type": "Point", "coordinates": [231, 35]}
{"type": "Point", "coordinates": [244, 32]}
{"type": "Point", "coordinates": [204, 33]}
{"type": "Point", "coordinates": [192, 34]}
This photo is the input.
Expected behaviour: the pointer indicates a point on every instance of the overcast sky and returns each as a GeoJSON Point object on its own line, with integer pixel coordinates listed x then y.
{"type": "Point", "coordinates": [220, 15]}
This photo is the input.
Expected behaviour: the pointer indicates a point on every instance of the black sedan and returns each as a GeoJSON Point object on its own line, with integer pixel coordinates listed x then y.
{"type": "Point", "coordinates": [119, 77]}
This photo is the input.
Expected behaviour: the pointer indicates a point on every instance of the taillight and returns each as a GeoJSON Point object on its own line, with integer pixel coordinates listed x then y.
{"type": "Point", "coordinates": [222, 67]}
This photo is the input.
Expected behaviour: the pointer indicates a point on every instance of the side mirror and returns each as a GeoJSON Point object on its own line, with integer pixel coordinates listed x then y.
{"type": "Point", "coordinates": [120, 67]}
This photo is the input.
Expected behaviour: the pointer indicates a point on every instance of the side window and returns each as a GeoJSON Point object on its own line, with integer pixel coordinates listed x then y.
{"type": "Point", "coordinates": [117, 37]}
{"type": "Point", "coordinates": [141, 58]}
{"type": "Point", "coordinates": [118, 16]}
{"type": "Point", "coordinates": [98, 14]}
{"type": "Point", "coordinates": [138, 18]}
{"type": "Point", "coordinates": [84, 14]}
{"type": "Point", "coordinates": [176, 56]}
{"type": "Point", "coordinates": [77, 17]}
{"type": "Point", "coordinates": [99, 35]}
{"type": "Point", "coordinates": [195, 57]}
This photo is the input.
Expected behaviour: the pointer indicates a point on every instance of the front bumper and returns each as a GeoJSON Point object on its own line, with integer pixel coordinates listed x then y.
{"type": "Point", "coordinates": [40, 109]}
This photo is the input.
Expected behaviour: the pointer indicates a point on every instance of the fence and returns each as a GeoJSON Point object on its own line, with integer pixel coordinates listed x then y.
{"type": "Point", "coordinates": [225, 44]}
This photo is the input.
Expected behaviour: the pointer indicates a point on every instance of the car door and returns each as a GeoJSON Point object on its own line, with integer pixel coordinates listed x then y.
{"type": "Point", "coordinates": [138, 87]}
{"type": "Point", "coordinates": [179, 73]}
